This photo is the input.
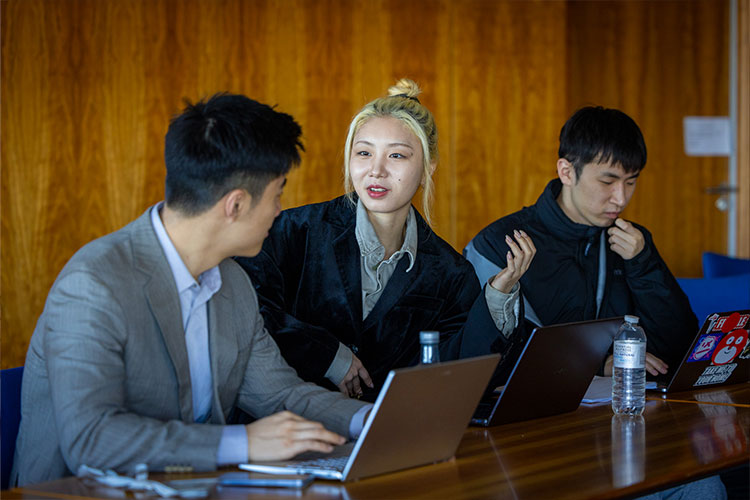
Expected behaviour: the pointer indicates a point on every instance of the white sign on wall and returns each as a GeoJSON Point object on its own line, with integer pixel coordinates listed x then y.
{"type": "Point", "coordinates": [707, 135]}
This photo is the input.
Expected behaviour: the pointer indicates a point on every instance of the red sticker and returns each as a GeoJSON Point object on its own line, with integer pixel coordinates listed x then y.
{"type": "Point", "coordinates": [729, 347]}
{"type": "Point", "coordinates": [730, 323]}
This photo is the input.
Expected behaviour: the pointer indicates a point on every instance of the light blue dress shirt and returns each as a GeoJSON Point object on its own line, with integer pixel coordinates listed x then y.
{"type": "Point", "coordinates": [194, 296]}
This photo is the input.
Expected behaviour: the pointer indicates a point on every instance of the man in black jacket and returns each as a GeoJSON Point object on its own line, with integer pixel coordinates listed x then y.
{"type": "Point", "coordinates": [590, 262]}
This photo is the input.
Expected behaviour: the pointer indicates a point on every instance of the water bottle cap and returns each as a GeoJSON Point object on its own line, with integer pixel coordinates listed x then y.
{"type": "Point", "coordinates": [429, 337]}
{"type": "Point", "coordinates": [633, 320]}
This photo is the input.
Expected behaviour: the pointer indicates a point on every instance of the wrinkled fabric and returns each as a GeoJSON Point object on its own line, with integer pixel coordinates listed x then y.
{"type": "Point", "coordinates": [308, 281]}
{"type": "Point", "coordinates": [561, 283]}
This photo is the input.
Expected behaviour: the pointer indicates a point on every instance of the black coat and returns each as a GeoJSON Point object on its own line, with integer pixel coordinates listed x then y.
{"type": "Point", "coordinates": [308, 280]}
{"type": "Point", "coordinates": [561, 282]}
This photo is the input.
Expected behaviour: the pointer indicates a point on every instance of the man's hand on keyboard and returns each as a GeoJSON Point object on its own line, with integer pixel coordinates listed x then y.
{"type": "Point", "coordinates": [284, 435]}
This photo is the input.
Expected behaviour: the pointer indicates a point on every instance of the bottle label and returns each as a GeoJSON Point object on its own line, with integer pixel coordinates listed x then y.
{"type": "Point", "coordinates": [629, 354]}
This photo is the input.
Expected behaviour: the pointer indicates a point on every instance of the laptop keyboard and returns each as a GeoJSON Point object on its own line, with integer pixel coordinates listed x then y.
{"type": "Point", "coordinates": [327, 463]}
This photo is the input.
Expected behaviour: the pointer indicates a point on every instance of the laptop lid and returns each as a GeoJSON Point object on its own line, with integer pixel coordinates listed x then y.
{"type": "Point", "coordinates": [553, 371]}
{"type": "Point", "coordinates": [719, 354]}
{"type": "Point", "coordinates": [418, 418]}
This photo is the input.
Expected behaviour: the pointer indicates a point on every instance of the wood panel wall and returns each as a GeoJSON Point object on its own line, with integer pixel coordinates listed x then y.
{"type": "Point", "coordinates": [659, 62]}
{"type": "Point", "coordinates": [88, 87]}
{"type": "Point", "coordinates": [743, 129]}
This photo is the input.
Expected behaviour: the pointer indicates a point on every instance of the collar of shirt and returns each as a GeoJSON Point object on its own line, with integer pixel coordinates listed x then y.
{"type": "Point", "coordinates": [370, 247]}
{"type": "Point", "coordinates": [192, 293]}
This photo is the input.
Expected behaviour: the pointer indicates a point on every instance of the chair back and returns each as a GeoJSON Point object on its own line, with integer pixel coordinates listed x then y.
{"type": "Point", "coordinates": [10, 418]}
{"type": "Point", "coordinates": [710, 295]}
{"type": "Point", "coordinates": [716, 265]}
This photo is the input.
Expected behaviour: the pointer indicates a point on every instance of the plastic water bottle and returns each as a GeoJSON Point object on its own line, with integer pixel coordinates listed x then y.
{"type": "Point", "coordinates": [629, 369]}
{"type": "Point", "coordinates": [429, 341]}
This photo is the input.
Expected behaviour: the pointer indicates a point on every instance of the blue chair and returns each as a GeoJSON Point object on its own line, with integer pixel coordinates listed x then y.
{"type": "Point", "coordinates": [716, 265]}
{"type": "Point", "coordinates": [10, 417]}
{"type": "Point", "coordinates": [710, 295]}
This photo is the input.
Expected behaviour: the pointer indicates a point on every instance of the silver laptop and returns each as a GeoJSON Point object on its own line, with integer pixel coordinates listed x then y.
{"type": "Point", "coordinates": [419, 418]}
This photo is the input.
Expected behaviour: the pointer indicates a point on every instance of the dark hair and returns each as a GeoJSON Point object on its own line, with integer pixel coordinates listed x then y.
{"type": "Point", "coordinates": [602, 135]}
{"type": "Point", "coordinates": [224, 143]}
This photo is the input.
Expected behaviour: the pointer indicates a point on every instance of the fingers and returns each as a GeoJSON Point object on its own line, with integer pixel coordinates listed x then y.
{"type": "Point", "coordinates": [518, 259]}
{"type": "Point", "coordinates": [365, 376]}
{"type": "Point", "coordinates": [343, 388]}
{"type": "Point", "coordinates": [625, 239]}
{"type": "Point", "coordinates": [608, 366]}
{"type": "Point", "coordinates": [654, 365]}
{"type": "Point", "coordinates": [351, 385]}
{"type": "Point", "coordinates": [523, 251]}
{"type": "Point", "coordinates": [285, 434]}
{"type": "Point", "coordinates": [623, 224]}
{"type": "Point", "coordinates": [356, 387]}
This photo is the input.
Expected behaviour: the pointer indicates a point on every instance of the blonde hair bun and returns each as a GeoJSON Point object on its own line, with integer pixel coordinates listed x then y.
{"type": "Point", "coordinates": [406, 87]}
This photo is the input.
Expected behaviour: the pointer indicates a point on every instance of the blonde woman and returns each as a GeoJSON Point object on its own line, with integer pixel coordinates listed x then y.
{"type": "Point", "coordinates": [345, 286]}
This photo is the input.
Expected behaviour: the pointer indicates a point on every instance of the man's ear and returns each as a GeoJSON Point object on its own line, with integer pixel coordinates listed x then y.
{"type": "Point", "coordinates": [566, 172]}
{"type": "Point", "coordinates": [235, 202]}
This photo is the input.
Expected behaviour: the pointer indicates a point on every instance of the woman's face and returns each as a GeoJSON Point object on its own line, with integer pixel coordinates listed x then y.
{"type": "Point", "coordinates": [385, 165]}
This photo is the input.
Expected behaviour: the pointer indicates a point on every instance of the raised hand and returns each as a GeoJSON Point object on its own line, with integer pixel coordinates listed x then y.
{"type": "Point", "coordinates": [522, 251]}
{"type": "Point", "coordinates": [625, 239]}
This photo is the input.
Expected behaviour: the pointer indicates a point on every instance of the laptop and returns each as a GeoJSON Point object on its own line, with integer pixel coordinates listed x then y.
{"type": "Point", "coordinates": [552, 373]}
{"type": "Point", "coordinates": [719, 355]}
{"type": "Point", "coordinates": [419, 418]}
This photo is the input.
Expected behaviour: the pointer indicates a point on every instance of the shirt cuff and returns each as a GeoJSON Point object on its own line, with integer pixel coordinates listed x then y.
{"type": "Point", "coordinates": [357, 423]}
{"type": "Point", "coordinates": [233, 446]}
{"type": "Point", "coordinates": [504, 307]}
{"type": "Point", "coordinates": [340, 365]}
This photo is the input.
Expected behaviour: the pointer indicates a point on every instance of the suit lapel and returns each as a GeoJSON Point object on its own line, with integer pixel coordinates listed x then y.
{"type": "Point", "coordinates": [346, 251]}
{"type": "Point", "coordinates": [161, 294]}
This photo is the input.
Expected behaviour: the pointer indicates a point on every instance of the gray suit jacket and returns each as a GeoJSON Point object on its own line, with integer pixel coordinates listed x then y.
{"type": "Point", "coordinates": [107, 381]}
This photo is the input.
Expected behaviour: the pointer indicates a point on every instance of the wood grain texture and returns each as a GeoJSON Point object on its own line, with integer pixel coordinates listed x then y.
{"type": "Point", "coordinates": [659, 62]}
{"type": "Point", "coordinates": [583, 454]}
{"type": "Point", "coordinates": [88, 88]}
{"type": "Point", "coordinates": [743, 129]}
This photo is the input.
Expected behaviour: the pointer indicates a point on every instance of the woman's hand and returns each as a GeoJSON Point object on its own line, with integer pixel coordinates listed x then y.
{"type": "Point", "coordinates": [522, 251]}
{"type": "Point", "coordinates": [350, 385]}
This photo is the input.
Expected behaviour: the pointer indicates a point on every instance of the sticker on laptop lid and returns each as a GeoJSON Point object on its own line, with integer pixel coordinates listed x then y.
{"type": "Point", "coordinates": [726, 324]}
{"type": "Point", "coordinates": [729, 348]}
{"type": "Point", "coordinates": [745, 354]}
{"type": "Point", "coordinates": [704, 348]}
{"type": "Point", "coordinates": [715, 374]}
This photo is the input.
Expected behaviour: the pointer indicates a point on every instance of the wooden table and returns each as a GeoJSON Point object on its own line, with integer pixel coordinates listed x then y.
{"type": "Point", "coordinates": [588, 453]}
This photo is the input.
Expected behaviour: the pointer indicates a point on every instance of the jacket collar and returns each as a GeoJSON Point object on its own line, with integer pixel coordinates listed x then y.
{"type": "Point", "coordinates": [555, 220]}
{"type": "Point", "coordinates": [163, 299]}
{"type": "Point", "coordinates": [342, 213]}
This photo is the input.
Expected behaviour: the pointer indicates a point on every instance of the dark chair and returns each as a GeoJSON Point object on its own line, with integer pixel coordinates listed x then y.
{"type": "Point", "coordinates": [716, 265]}
{"type": "Point", "coordinates": [710, 295]}
{"type": "Point", "coordinates": [10, 417]}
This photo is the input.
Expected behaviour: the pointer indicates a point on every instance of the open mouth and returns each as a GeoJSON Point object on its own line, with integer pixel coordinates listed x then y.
{"type": "Point", "coordinates": [376, 191]}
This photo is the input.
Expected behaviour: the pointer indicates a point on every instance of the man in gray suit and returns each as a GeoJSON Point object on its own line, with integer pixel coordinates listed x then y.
{"type": "Point", "coordinates": [150, 339]}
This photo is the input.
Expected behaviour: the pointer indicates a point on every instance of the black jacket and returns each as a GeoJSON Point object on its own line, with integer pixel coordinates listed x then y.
{"type": "Point", "coordinates": [561, 282]}
{"type": "Point", "coordinates": [309, 286]}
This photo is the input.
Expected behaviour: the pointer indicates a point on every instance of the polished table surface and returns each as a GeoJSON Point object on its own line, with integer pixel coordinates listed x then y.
{"type": "Point", "coordinates": [588, 453]}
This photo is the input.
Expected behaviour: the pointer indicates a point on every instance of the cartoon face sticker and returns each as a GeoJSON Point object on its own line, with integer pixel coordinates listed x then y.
{"type": "Point", "coordinates": [704, 348]}
{"type": "Point", "coordinates": [729, 347]}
